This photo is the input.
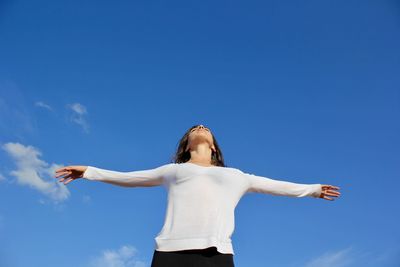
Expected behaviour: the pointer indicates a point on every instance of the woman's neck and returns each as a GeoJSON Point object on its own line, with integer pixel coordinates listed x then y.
{"type": "Point", "coordinates": [201, 154]}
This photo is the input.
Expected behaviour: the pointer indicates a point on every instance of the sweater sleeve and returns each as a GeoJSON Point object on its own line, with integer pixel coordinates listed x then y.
{"type": "Point", "coordinates": [281, 188]}
{"type": "Point", "coordinates": [141, 178]}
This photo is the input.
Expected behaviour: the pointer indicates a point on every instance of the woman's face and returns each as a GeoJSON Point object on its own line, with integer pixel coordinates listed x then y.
{"type": "Point", "coordinates": [200, 134]}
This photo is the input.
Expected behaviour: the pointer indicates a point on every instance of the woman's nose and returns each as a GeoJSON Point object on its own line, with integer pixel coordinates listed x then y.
{"type": "Point", "coordinates": [201, 126]}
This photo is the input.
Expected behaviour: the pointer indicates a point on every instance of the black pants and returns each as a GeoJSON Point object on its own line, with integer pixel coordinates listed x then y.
{"type": "Point", "coordinates": [208, 257]}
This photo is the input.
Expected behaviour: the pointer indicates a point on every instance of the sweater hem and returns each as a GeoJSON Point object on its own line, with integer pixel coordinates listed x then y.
{"type": "Point", "coordinates": [193, 243]}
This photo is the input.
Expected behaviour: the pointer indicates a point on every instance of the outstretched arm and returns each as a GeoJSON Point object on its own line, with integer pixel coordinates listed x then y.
{"type": "Point", "coordinates": [284, 188]}
{"type": "Point", "coordinates": [144, 178]}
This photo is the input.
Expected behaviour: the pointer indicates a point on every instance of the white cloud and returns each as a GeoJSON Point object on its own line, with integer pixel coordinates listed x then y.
{"type": "Point", "coordinates": [78, 108]}
{"type": "Point", "coordinates": [125, 256]}
{"type": "Point", "coordinates": [43, 105]}
{"type": "Point", "coordinates": [33, 172]}
{"type": "Point", "coordinates": [341, 258]}
{"type": "Point", "coordinates": [78, 115]}
{"type": "Point", "coordinates": [2, 178]}
{"type": "Point", "coordinates": [350, 257]}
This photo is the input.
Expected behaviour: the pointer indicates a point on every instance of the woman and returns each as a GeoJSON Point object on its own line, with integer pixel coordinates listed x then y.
{"type": "Point", "coordinates": [202, 196]}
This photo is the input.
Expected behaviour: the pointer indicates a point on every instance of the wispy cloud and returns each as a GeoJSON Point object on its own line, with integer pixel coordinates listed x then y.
{"type": "Point", "coordinates": [2, 178]}
{"type": "Point", "coordinates": [15, 118]}
{"type": "Point", "coordinates": [33, 172]}
{"type": "Point", "coordinates": [43, 105]}
{"type": "Point", "coordinates": [78, 115]}
{"type": "Point", "coordinates": [352, 257]}
{"type": "Point", "coordinates": [125, 256]}
{"type": "Point", "coordinates": [341, 258]}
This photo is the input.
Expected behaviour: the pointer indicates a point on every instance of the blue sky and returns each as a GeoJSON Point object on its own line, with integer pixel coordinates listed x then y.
{"type": "Point", "coordinates": [305, 92]}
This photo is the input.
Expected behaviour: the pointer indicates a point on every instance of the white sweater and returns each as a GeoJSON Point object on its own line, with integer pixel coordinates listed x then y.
{"type": "Point", "coordinates": [201, 200]}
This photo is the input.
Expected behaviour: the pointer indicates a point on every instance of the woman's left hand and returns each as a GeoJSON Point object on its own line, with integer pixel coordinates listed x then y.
{"type": "Point", "coordinates": [329, 190]}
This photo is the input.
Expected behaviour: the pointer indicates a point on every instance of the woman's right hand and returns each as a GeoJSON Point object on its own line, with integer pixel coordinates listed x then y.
{"type": "Point", "coordinates": [70, 173]}
{"type": "Point", "coordinates": [329, 190]}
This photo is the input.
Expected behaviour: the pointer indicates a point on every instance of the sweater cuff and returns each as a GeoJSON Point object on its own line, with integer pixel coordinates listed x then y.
{"type": "Point", "coordinates": [317, 190]}
{"type": "Point", "coordinates": [90, 173]}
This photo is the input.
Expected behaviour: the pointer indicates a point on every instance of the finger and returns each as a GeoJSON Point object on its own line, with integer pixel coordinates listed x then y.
{"type": "Point", "coordinates": [62, 173]}
{"type": "Point", "coordinates": [63, 169]}
{"type": "Point", "coordinates": [334, 187]}
{"type": "Point", "coordinates": [325, 194]}
{"type": "Point", "coordinates": [328, 198]}
{"type": "Point", "coordinates": [68, 181]}
{"type": "Point", "coordinates": [333, 193]}
{"type": "Point", "coordinates": [330, 186]}
{"type": "Point", "coordinates": [65, 178]}
{"type": "Point", "coordinates": [334, 196]}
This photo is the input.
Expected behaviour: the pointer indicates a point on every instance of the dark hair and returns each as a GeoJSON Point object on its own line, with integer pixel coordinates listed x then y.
{"type": "Point", "coordinates": [182, 156]}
